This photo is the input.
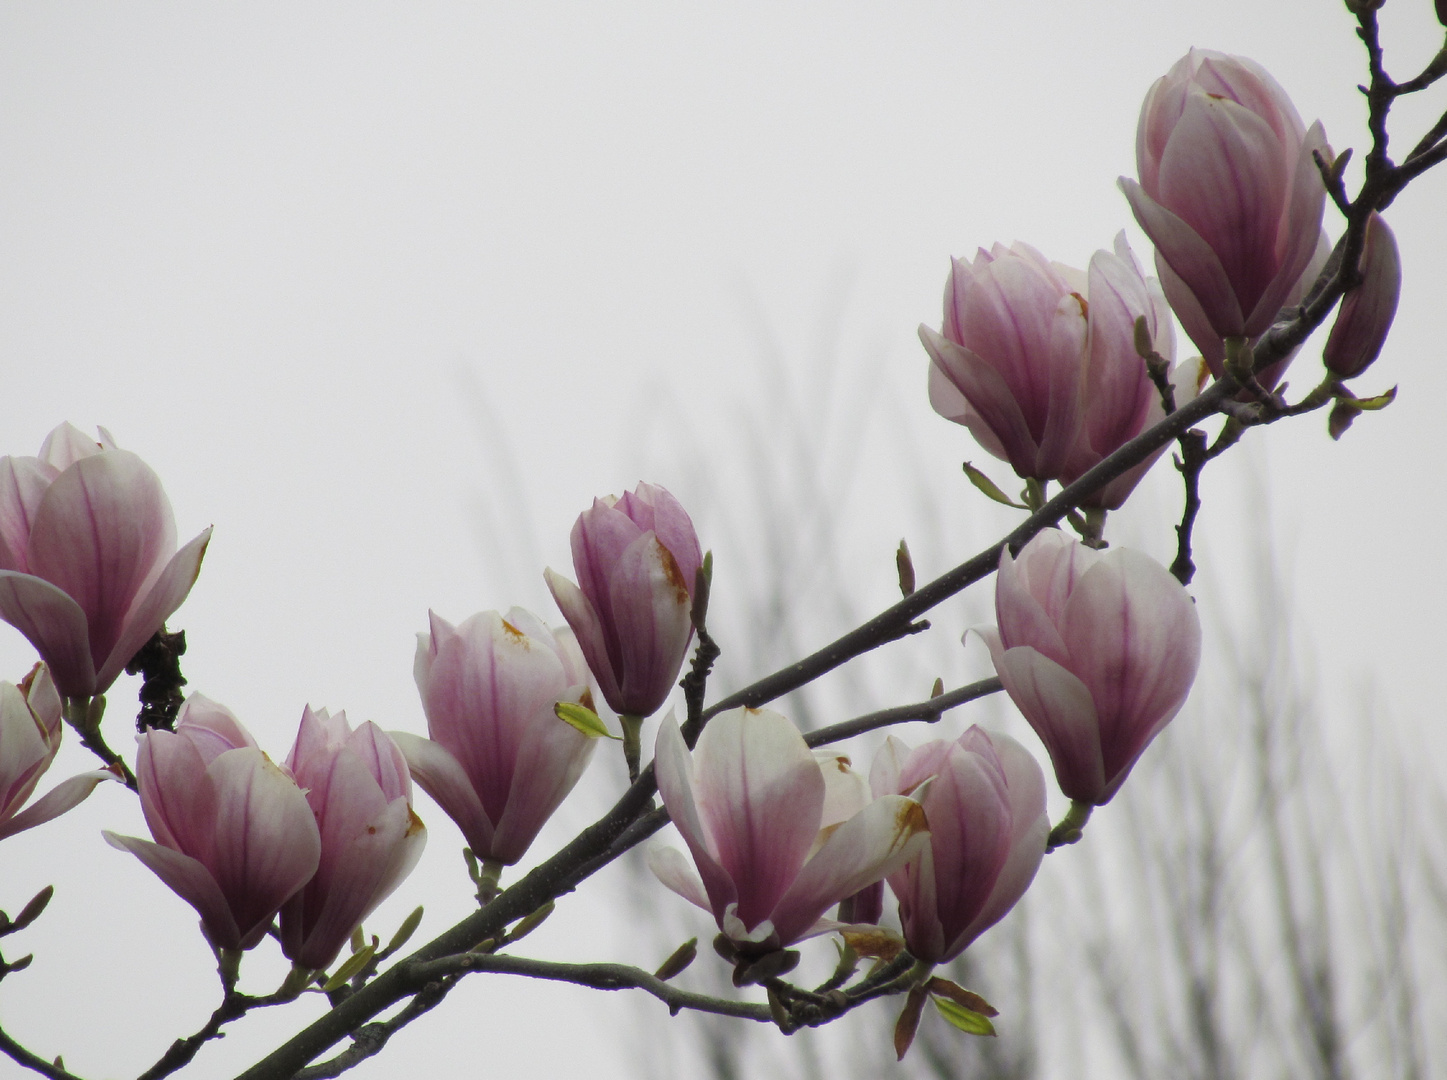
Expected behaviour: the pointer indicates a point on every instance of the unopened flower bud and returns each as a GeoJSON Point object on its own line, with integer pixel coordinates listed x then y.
{"type": "Point", "coordinates": [637, 559]}
{"type": "Point", "coordinates": [1366, 312]}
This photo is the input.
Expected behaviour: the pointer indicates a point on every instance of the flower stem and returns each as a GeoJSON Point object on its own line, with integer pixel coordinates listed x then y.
{"type": "Point", "coordinates": [487, 880]}
{"type": "Point", "coordinates": [632, 744]}
{"type": "Point", "coordinates": [1071, 826]}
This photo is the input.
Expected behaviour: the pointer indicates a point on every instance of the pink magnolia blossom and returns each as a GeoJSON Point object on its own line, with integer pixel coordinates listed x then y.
{"type": "Point", "coordinates": [88, 563]}
{"type": "Point", "coordinates": [1038, 360]}
{"type": "Point", "coordinates": [1230, 195]}
{"type": "Point", "coordinates": [499, 761]}
{"type": "Point", "coordinates": [1098, 650]}
{"type": "Point", "coordinates": [358, 787]}
{"type": "Point", "coordinates": [1367, 311]}
{"type": "Point", "coordinates": [1121, 400]}
{"type": "Point", "coordinates": [778, 836]}
{"type": "Point", "coordinates": [984, 796]}
{"type": "Point", "coordinates": [234, 836]}
{"type": "Point", "coordinates": [30, 728]}
{"type": "Point", "coordinates": [1009, 360]}
{"type": "Point", "coordinates": [636, 559]}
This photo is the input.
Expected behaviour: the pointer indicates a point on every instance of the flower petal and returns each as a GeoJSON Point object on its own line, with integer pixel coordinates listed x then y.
{"type": "Point", "coordinates": [101, 535]}
{"type": "Point", "coordinates": [55, 625]}
{"type": "Point", "coordinates": [1191, 260]}
{"type": "Point", "coordinates": [189, 880]}
{"type": "Point", "coordinates": [486, 688]}
{"type": "Point", "coordinates": [760, 795]}
{"type": "Point", "coordinates": [23, 483]}
{"type": "Point", "coordinates": [1030, 826]}
{"type": "Point", "coordinates": [357, 873]}
{"type": "Point", "coordinates": [651, 605]}
{"type": "Point", "coordinates": [1135, 643]}
{"type": "Point", "coordinates": [64, 796]}
{"type": "Point", "coordinates": [178, 799]}
{"type": "Point", "coordinates": [992, 404]}
{"type": "Point", "coordinates": [588, 630]}
{"type": "Point", "coordinates": [153, 607]}
{"type": "Point", "coordinates": [674, 768]}
{"type": "Point", "coordinates": [438, 773]}
{"type": "Point", "coordinates": [871, 845]}
{"type": "Point", "coordinates": [1058, 706]}
{"type": "Point", "coordinates": [550, 760]}
{"type": "Point", "coordinates": [266, 843]}
{"type": "Point", "coordinates": [672, 868]}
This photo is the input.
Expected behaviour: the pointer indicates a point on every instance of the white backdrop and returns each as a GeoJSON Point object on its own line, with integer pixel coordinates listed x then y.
{"type": "Point", "coordinates": [387, 293]}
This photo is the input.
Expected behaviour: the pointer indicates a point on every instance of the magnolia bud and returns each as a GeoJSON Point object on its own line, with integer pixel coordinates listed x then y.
{"type": "Point", "coordinates": [1366, 312]}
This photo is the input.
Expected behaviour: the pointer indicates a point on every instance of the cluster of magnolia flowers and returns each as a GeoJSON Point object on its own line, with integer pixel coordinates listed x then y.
{"type": "Point", "coordinates": [1097, 648]}
{"type": "Point", "coordinates": [1043, 364]}
{"type": "Point", "coordinates": [1049, 368]}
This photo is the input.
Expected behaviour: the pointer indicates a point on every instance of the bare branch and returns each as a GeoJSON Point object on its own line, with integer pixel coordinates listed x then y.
{"type": "Point", "coordinates": [929, 711]}
{"type": "Point", "coordinates": [894, 622]}
{"type": "Point", "coordinates": [598, 977]}
{"type": "Point", "coordinates": [34, 1062]}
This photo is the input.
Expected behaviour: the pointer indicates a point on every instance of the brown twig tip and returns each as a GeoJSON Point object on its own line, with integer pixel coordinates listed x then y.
{"type": "Point", "coordinates": [702, 585]}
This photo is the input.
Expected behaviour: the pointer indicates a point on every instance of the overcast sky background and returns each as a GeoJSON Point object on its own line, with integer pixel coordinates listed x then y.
{"type": "Point", "coordinates": [387, 293]}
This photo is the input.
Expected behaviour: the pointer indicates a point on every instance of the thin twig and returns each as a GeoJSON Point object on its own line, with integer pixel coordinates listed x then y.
{"type": "Point", "coordinates": [1435, 69]}
{"type": "Point", "coordinates": [233, 1006]}
{"type": "Point", "coordinates": [929, 711]}
{"type": "Point", "coordinates": [95, 742]}
{"type": "Point", "coordinates": [598, 977]}
{"type": "Point", "coordinates": [371, 1039]}
{"type": "Point", "coordinates": [1434, 135]}
{"type": "Point", "coordinates": [895, 621]}
{"type": "Point", "coordinates": [34, 1062]}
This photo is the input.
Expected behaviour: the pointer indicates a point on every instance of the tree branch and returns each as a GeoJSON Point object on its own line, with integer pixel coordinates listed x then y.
{"type": "Point", "coordinates": [233, 1006]}
{"type": "Point", "coordinates": [929, 711]}
{"type": "Point", "coordinates": [34, 1062]}
{"type": "Point", "coordinates": [895, 621]}
{"type": "Point", "coordinates": [598, 977]}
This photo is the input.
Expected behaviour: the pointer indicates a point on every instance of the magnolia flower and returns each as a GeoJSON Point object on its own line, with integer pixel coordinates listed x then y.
{"type": "Point", "coordinates": [1039, 361]}
{"type": "Point", "coordinates": [1230, 195]}
{"type": "Point", "coordinates": [88, 563]}
{"type": "Point", "coordinates": [499, 761]}
{"type": "Point", "coordinates": [984, 796]}
{"type": "Point", "coordinates": [358, 787]}
{"type": "Point", "coordinates": [1009, 360]}
{"type": "Point", "coordinates": [234, 835]}
{"type": "Point", "coordinates": [777, 835]}
{"type": "Point", "coordinates": [636, 559]}
{"type": "Point", "coordinates": [30, 727]}
{"type": "Point", "coordinates": [1120, 399]}
{"type": "Point", "coordinates": [1367, 311]}
{"type": "Point", "coordinates": [1098, 650]}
